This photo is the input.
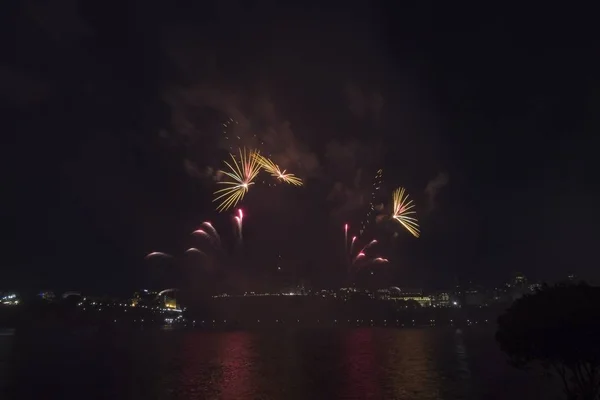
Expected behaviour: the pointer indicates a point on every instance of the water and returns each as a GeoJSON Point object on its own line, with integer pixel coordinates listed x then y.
{"type": "Point", "coordinates": [362, 363]}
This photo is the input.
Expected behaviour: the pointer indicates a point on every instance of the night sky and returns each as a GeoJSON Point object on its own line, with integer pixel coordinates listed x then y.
{"type": "Point", "coordinates": [113, 114]}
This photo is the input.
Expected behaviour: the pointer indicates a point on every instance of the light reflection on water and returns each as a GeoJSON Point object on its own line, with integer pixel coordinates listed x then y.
{"type": "Point", "coordinates": [362, 363]}
{"type": "Point", "coordinates": [235, 354]}
{"type": "Point", "coordinates": [411, 368]}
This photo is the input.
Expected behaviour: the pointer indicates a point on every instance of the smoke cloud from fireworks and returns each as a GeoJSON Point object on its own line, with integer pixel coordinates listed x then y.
{"type": "Point", "coordinates": [434, 187]}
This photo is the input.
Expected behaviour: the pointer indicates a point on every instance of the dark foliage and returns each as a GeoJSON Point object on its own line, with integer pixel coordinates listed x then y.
{"type": "Point", "coordinates": [559, 327]}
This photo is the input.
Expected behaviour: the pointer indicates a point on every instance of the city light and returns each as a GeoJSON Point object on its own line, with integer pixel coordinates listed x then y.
{"type": "Point", "coordinates": [9, 300]}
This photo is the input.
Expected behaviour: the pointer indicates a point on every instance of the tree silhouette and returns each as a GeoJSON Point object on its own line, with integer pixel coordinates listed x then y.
{"type": "Point", "coordinates": [558, 327]}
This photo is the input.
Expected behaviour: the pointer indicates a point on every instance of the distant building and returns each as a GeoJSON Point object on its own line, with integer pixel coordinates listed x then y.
{"type": "Point", "coordinates": [170, 303]}
{"type": "Point", "coordinates": [519, 279]}
{"type": "Point", "coordinates": [423, 301]}
{"type": "Point", "coordinates": [441, 299]}
{"type": "Point", "coordinates": [47, 295]}
{"type": "Point", "coordinates": [518, 286]}
{"type": "Point", "coordinates": [535, 287]}
{"type": "Point", "coordinates": [406, 294]}
{"type": "Point", "coordinates": [71, 294]}
{"type": "Point", "coordinates": [346, 293]}
{"type": "Point", "coordinates": [297, 290]}
{"type": "Point", "coordinates": [144, 297]}
{"type": "Point", "coordinates": [10, 298]}
{"type": "Point", "coordinates": [474, 297]}
{"type": "Point", "coordinates": [396, 291]}
{"type": "Point", "coordinates": [166, 298]}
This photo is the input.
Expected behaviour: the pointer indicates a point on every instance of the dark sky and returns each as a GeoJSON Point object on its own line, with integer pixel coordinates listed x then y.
{"type": "Point", "coordinates": [113, 117]}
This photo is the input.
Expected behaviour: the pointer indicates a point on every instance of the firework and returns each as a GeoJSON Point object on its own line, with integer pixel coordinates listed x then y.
{"type": "Point", "coordinates": [211, 248]}
{"type": "Point", "coordinates": [352, 245]}
{"type": "Point", "coordinates": [239, 219]}
{"type": "Point", "coordinates": [157, 254]}
{"type": "Point", "coordinates": [241, 175]}
{"type": "Point", "coordinates": [201, 232]}
{"type": "Point", "coordinates": [366, 262]}
{"type": "Point", "coordinates": [371, 243]}
{"type": "Point", "coordinates": [346, 237]}
{"type": "Point", "coordinates": [213, 232]}
{"type": "Point", "coordinates": [377, 183]}
{"type": "Point", "coordinates": [218, 249]}
{"type": "Point", "coordinates": [226, 135]}
{"type": "Point", "coordinates": [272, 168]}
{"type": "Point", "coordinates": [193, 250]}
{"type": "Point", "coordinates": [213, 237]}
{"type": "Point", "coordinates": [402, 212]}
{"type": "Point", "coordinates": [362, 253]}
{"type": "Point", "coordinates": [358, 257]}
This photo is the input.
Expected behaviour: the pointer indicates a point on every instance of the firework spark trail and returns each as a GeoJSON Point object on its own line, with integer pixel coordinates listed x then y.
{"type": "Point", "coordinates": [213, 239]}
{"type": "Point", "coordinates": [377, 183]}
{"type": "Point", "coordinates": [230, 135]}
{"type": "Point", "coordinates": [202, 232]}
{"type": "Point", "coordinates": [371, 243]}
{"type": "Point", "coordinates": [226, 125]}
{"type": "Point", "coordinates": [239, 219]}
{"type": "Point", "coordinates": [213, 248]}
{"type": "Point", "coordinates": [346, 237]}
{"type": "Point", "coordinates": [402, 211]}
{"type": "Point", "coordinates": [366, 262]}
{"type": "Point", "coordinates": [352, 245]}
{"type": "Point", "coordinates": [213, 231]}
{"type": "Point", "coordinates": [273, 169]}
{"type": "Point", "coordinates": [195, 251]}
{"type": "Point", "coordinates": [242, 175]}
{"type": "Point", "coordinates": [158, 254]}
{"type": "Point", "coordinates": [360, 255]}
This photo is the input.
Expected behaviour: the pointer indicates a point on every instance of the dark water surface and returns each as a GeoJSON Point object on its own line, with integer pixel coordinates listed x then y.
{"type": "Point", "coordinates": [362, 363]}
